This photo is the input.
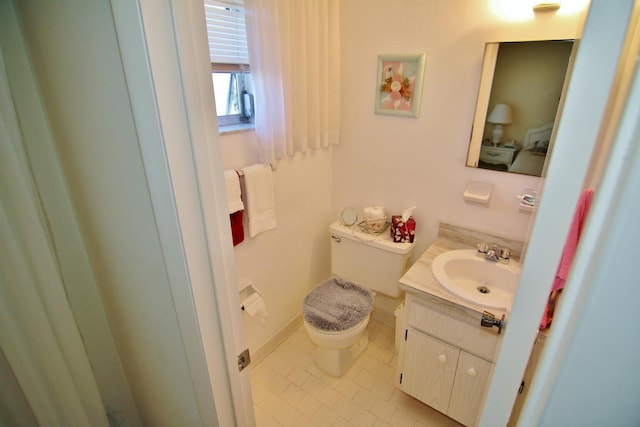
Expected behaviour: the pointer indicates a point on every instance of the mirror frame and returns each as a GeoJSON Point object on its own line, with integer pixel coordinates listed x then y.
{"type": "Point", "coordinates": [490, 59]}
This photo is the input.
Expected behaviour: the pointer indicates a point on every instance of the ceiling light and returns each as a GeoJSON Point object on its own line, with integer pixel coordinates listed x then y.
{"type": "Point", "coordinates": [546, 7]}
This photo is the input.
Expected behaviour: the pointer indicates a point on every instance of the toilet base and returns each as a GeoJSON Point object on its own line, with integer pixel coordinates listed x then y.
{"type": "Point", "coordinates": [336, 362]}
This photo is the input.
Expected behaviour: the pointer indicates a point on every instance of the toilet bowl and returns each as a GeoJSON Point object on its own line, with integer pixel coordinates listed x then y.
{"type": "Point", "coordinates": [337, 350]}
{"type": "Point", "coordinates": [336, 323]}
{"type": "Point", "coordinates": [336, 313]}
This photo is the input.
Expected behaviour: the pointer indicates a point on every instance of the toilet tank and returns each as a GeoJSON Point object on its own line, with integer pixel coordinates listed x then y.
{"type": "Point", "coordinates": [371, 260]}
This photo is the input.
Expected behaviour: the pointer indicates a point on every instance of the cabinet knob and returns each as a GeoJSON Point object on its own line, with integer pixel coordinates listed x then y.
{"type": "Point", "coordinates": [471, 372]}
{"type": "Point", "coordinates": [442, 358]}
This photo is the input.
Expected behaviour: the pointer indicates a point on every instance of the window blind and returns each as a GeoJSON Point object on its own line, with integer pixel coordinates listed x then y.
{"type": "Point", "coordinates": [227, 35]}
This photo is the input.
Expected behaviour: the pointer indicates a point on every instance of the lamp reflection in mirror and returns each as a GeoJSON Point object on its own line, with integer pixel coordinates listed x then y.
{"type": "Point", "coordinates": [501, 115]}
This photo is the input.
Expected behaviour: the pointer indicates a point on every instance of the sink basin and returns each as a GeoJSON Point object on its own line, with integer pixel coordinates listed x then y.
{"type": "Point", "coordinates": [477, 280]}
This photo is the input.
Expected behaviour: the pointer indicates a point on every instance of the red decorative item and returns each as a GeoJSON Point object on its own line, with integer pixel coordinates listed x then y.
{"type": "Point", "coordinates": [237, 229]}
{"type": "Point", "coordinates": [402, 232]}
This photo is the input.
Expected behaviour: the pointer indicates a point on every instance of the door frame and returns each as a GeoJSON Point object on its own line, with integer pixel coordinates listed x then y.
{"type": "Point", "coordinates": [585, 117]}
{"type": "Point", "coordinates": [164, 54]}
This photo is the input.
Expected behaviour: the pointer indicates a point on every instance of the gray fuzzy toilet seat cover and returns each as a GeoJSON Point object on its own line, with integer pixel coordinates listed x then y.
{"type": "Point", "coordinates": [337, 305]}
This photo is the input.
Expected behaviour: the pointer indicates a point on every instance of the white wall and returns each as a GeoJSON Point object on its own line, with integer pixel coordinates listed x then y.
{"type": "Point", "coordinates": [391, 161]}
{"type": "Point", "coordinates": [285, 263]}
{"type": "Point", "coordinates": [401, 162]}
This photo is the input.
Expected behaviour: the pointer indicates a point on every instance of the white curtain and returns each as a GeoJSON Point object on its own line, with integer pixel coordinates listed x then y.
{"type": "Point", "coordinates": [38, 334]}
{"type": "Point", "coordinates": [294, 50]}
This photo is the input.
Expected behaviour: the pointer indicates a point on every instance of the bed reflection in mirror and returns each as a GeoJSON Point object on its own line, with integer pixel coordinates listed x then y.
{"type": "Point", "coordinates": [520, 90]}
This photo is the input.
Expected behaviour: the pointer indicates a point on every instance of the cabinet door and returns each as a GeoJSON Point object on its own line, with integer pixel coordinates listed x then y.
{"type": "Point", "coordinates": [469, 386]}
{"type": "Point", "coordinates": [428, 370]}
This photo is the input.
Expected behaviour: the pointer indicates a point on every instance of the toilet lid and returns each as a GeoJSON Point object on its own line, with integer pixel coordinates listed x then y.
{"type": "Point", "coordinates": [337, 305]}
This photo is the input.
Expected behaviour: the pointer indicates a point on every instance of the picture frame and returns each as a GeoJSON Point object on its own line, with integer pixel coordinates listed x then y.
{"type": "Point", "coordinates": [399, 84]}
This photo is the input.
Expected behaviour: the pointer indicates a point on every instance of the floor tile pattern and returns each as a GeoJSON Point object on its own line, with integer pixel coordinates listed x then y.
{"type": "Point", "coordinates": [290, 391]}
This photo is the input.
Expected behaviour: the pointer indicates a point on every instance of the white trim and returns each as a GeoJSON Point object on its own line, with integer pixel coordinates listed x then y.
{"type": "Point", "coordinates": [144, 91]}
{"type": "Point", "coordinates": [172, 99]}
{"type": "Point", "coordinates": [207, 158]}
{"type": "Point", "coordinates": [588, 93]}
{"type": "Point", "coordinates": [289, 329]}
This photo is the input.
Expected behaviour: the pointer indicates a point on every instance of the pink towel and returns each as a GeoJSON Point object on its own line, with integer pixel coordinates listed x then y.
{"type": "Point", "coordinates": [570, 247]}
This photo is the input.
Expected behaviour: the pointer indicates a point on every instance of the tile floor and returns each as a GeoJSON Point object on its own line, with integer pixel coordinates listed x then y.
{"type": "Point", "coordinates": [290, 391]}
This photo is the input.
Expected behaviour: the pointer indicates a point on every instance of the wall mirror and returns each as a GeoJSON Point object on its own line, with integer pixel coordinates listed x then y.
{"type": "Point", "coordinates": [520, 90]}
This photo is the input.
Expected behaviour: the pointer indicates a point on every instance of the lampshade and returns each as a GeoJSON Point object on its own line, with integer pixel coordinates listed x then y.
{"type": "Point", "coordinates": [501, 114]}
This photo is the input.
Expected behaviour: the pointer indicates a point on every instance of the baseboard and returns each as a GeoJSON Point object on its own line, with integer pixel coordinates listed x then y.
{"type": "Point", "coordinates": [276, 340]}
{"type": "Point", "coordinates": [383, 316]}
{"type": "Point", "coordinates": [377, 313]}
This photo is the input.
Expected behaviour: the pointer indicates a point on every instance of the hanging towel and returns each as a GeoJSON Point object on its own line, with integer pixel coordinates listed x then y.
{"type": "Point", "coordinates": [570, 247]}
{"type": "Point", "coordinates": [259, 198]}
{"type": "Point", "coordinates": [237, 229]}
{"type": "Point", "coordinates": [573, 238]}
{"type": "Point", "coordinates": [235, 205]}
{"type": "Point", "coordinates": [234, 198]}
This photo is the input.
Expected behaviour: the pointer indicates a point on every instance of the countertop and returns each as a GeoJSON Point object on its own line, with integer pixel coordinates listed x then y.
{"type": "Point", "coordinates": [420, 280]}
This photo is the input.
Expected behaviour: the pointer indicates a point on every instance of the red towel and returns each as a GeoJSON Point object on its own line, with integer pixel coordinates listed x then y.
{"type": "Point", "coordinates": [237, 229]}
{"type": "Point", "coordinates": [570, 247]}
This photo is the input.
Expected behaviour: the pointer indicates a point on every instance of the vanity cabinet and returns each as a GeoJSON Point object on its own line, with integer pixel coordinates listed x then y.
{"type": "Point", "coordinates": [446, 358]}
{"type": "Point", "coordinates": [429, 369]}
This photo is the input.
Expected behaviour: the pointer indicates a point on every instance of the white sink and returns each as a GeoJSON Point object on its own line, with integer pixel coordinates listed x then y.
{"type": "Point", "coordinates": [477, 280]}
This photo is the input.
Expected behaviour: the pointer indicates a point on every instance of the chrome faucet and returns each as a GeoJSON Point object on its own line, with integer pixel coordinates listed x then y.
{"type": "Point", "coordinates": [494, 253]}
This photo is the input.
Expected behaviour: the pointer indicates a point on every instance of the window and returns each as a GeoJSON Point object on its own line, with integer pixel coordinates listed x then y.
{"type": "Point", "coordinates": [229, 54]}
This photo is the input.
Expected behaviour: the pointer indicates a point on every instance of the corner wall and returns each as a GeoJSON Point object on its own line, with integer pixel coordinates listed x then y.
{"type": "Point", "coordinates": [285, 263]}
{"type": "Point", "coordinates": [400, 162]}
{"type": "Point", "coordinates": [390, 161]}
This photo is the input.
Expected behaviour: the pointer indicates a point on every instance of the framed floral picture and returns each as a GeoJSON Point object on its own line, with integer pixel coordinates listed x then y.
{"type": "Point", "coordinates": [399, 84]}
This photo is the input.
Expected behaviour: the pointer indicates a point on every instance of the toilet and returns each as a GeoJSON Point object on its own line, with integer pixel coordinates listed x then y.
{"type": "Point", "coordinates": [337, 311]}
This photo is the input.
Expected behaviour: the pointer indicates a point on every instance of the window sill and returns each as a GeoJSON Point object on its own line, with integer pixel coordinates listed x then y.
{"type": "Point", "coordinates": [236, 128]}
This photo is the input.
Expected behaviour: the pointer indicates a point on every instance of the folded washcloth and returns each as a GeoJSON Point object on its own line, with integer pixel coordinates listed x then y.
{"type": "Point", "coordinates": [234, 198]}
{"type": "Point", "coordinates": [259, 198]}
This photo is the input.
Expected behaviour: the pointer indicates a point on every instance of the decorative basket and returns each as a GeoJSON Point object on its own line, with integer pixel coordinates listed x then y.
{"type": "Point", "coordinates": [374, 226]}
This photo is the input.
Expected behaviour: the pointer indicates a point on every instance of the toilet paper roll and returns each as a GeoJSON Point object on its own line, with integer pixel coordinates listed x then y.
{"type": "Point", "coordinates": [255, 307]}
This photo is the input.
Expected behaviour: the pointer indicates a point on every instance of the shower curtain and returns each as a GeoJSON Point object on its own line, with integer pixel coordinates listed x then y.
{"type": "Point", "coordinates": [38, 334]}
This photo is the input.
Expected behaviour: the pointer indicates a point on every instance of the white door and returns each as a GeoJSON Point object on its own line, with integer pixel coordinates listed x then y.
{"type": "Point", "coordinates": [164, 51]}
{"type": "Point", "coordinates": [586, 110]}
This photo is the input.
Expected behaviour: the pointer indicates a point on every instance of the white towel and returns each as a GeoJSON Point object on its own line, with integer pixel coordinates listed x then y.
{"type": "Point", "coordinates": [234, 199]}
{"type": "Point", "coordinates": [260, 198]}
